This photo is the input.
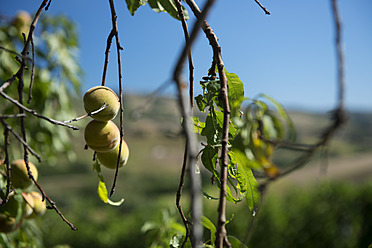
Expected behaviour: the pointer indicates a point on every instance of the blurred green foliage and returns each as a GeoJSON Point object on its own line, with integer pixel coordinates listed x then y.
{"type": "Point", "coordinates": [56, 79]}
{"type": "Point", "coordinates": [329, 215]}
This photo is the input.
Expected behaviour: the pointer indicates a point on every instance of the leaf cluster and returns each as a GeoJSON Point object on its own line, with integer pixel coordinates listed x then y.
{"type": "Point", "coordinates": [158, 6]}
{"type": "Point", "coordinates": [56, 78]}
{"type": "Point", "coordinates": [252, 135]}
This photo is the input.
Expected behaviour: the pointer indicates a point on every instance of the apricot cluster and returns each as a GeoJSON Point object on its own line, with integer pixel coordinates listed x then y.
{"type": "Point", "coordinates": [101, 134]}
{"type": "Point", "coordinates": [22, 203]}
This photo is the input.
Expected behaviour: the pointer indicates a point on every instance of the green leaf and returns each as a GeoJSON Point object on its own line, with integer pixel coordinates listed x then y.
{"type": "Point", "coordinates": [235, 89]}
{"type": "Point", "coordinates": [253, 195]}
{"type": "Point", "coordinates": [102, 191]}
{"type": "Point", "coordinates": [236, 243]}
{"type": "Point", "coordinates": [200, 102]}
{"type": "Point", "coordinates": [246, 180]}
{"type": "Point", "coordinates": [219, 118]}
{"type": "Point", "coordinates": [198, 125]}
{"type": "Point", "coordinates": [210, 226]}
{"type": "Point", "coordinates": [209, 197]}
{"type": "Point", "coordinates": [208, 158]}
{"type": "Point", "coordinates": [167, 6]}
{"type": "Point", "coordinates": [116, 204]}
{"type": "Point", "coordinates": [211, 130]}
{"type": "Point", "coordinates": [283, 114]}
{"type": "Point", "coordinates": [133, 5]}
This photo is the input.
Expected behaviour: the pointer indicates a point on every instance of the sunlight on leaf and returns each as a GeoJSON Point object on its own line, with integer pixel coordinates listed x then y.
{"type": "Point", "coordinates": [236, 243]}
{"type": "Point", "coordinates": [116, 204]}
{"type": "Point", "coordinates": [102, 191]}
{"type": "Point", "coordinates": [210, 226]}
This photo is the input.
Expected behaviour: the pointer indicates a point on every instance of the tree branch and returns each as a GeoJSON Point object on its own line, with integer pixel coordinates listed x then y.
{"type": "Point", "coordinates": [31, 111]}
{"type": "Point", "coordinates": [191, 143]}
{"type": "Point", "coordinates": [22, 109]}
{"type": "Point", "coordinates": [221, 235]}
{"type": "Point", "coordinates": [118, 48]}
{"type": "Point", "coordinates": [107, 51]}
{"type": "Point", "coordinates": [262, 7]}
{"type": "Point", "coordinates": [7, 127]}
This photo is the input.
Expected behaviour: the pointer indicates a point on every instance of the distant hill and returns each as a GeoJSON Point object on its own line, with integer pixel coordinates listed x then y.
{"type": "Point", "coordinates": [160, 115]}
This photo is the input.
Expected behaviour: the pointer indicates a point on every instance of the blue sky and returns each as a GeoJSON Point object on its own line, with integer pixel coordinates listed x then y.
{"type": "Point", "coordinates": [288, 55]}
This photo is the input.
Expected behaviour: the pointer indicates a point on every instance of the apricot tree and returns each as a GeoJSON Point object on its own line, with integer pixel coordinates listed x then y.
{"type": "Point", "coordinates": [238, 133]}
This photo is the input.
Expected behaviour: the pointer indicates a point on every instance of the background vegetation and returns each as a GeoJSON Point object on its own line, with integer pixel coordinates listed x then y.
{"type": "Point", "coordinates": [324, 205]}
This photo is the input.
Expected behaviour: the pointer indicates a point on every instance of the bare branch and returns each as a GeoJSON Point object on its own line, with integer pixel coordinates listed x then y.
{"type": "Point", "coordinates": [6, 162]}
{"type": "Point", "coordinates": [221, 236]}
{"type": "Point", "coordinates": [339, 56]}
{"type": "Point", "coordinates": [32, 71]}
{"type": "Point", "coordinates": [89, 114]}
{"type": "Point", "coordinates": [118, 48]}
{"type": "Point", "coordinates": [12, 52]}
{"type": "Point", "coordinates": [262, 7]}
{"type": "Point", "coordinates": [178, 197]}
{"type": "Point", "coordinates": [12, 116]}
{"type": "Point", "coordinates": [195, 180]}
{"type": "Point", "coordinates": [31, 111]}
{"type": "Point", "coordinates": [108, 45]}
{"type": "Point", "coordinates": [6, 126]}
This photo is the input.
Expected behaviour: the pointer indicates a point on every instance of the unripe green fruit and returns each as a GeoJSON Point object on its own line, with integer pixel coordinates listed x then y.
{"type": "Point", "coordinates": [38, 205]}
{"type": "Point", "coordinates": [109, 159]}
{"type": "Point", "coordinates": [8, 214]}
{"type": "Point", "coordinates": [7, 223]}
{"type": "Point", "coordinates": [19, 176]}
{"type": "Point", "coordinates": [101, 136]}
{"type": "Point", "coordinates": [10, 208]}
{"type": "Point", "coordinates": [96, 97]}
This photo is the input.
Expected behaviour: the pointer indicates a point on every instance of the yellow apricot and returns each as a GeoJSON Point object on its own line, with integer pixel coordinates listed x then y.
{"type": "Point", "coordinates": [37, 205]}
{"type": "Point", "coordinates": [22, 22]}
{"type": "Point", "coordinates": [19, 176]}
{"type": "Point", "coordinates": [96, 97]}
{"type": "Point", "coordinates": [101, 136]}
{"type": "Point", "coordinates": [109, 159]}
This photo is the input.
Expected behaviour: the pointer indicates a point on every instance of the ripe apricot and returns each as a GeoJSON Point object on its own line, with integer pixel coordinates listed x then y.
{"type": "Point", "coordinates": [101, 136]}
{"type": "Point", "coordinates": [109, 159]}
{"type": "Point", "coordinates": [96, 97]}
{"type": "Point", "coordinates": [37, 204]}
{"type": "Point", "coordinates": [19, 176]}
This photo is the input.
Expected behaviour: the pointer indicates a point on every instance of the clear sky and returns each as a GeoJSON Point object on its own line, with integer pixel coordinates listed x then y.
{"type": "Point", "coordinates": [289, 55]}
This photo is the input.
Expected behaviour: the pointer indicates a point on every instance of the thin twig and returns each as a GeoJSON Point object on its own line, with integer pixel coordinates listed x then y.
{"type": "Point", "coordinates": [31, 111]}
{"type": "Point", "coordinates": [22, 108]}
{"type": "Point", "coordinates": [12, 52]}
{"type": "Point", "coordinates": [195, 180]}
{"type": "Point", "coordinates": [191, 95]}
{"type": "Point", "coordinates": [339, 56]}
{"type": "Point", "coordinates": [32, 71]}
{"type": "Point", "coordinates": [221, 235]}
{"type": "Point", "coordinates": [6, 162]}
{"type": "Point", "coordinates": [21, 140]}
{"type": "Point", "coordinates": [108, 46]}
{"type": "Point", "coordinates": [12, 116]}
{"type": "Point", "coordinates": [138, 111]}
{"type": "Point", "coordinates": [48, 5]}
{"type": "Point", "coordinates": [88, 114]}
{"type": "Point", "coordinates": [118, 48]}
{"type": "Point", "coordinates": [8, 82]}
{"type": "Point", "coordinates": [178, 197]}
{"type": "Point", "coordinates": [191, 64]}
{"type": "Point", "coordinates": [262, 7]}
